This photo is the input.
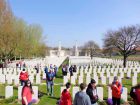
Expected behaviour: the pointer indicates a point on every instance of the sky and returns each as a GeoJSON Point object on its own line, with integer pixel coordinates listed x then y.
{"type": "Point", "coordinates": [71, 21]}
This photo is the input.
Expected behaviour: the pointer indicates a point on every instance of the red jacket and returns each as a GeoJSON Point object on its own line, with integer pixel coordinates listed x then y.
{"type": "Point", "coordinates": [26, 92]}
{"type": "Point", "coordinates": [116, 90]}
{"type": "Point", "coordinates": [23, 76]}
{"type": "Point", "coordinates": [65, 98]}
{"type": "Point", "coordinates": [137, 93]}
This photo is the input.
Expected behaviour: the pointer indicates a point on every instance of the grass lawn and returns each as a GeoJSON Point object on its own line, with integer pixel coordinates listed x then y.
{"type": "Point", "coordinates": [47, 100]}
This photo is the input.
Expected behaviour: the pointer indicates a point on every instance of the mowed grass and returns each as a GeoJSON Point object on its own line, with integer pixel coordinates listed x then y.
{"type": "Point", "coordinates": [44, 100]}
{"type": "Point", "coordinates": [47, 100]}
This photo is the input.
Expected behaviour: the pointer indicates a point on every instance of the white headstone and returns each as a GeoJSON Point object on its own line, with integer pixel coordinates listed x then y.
{"type": "Point", "coordinates": [134, 81]}
{"type": "Point", "coordinates": [65, 80]}
{"type": "Point", "coordinates": [87, 80]}
{"type": "Point", "coordinates": [44, 76]}
{"type": "Point", "coordinates": [8, 91]}
{"type": "Point", "coordinates": [38, 79]}
{"type": "Point", "coordinates": [9, 80]}
{"type": "Point", "coordinates": [35, 90]}
{"type": "Point", "coordinates": [111, 80]}
{"type": "Point", "coordinates": [80, 80]}
{"type": "Point", "coordinates": [75, 90]}
{"type": "Point", "coordinates": [100, 93]}
{"type": "Point", "coordinates": [73, 80]}
{"type": "Point", "coordinates": [109, 92]}
{"type": "Point", "coordinates": [16, 80]}
{"type": "Point", "coordinates": [19, 92]}
{"type": "Point", "coordinates": [2, 78]}
{"type": "Point", "coordinates": [103, 79]}
{"type": "Point", "coordinates": [124, 94]}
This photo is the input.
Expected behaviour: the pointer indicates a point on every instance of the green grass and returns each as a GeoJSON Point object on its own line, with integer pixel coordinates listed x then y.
{"type": "Point", "coordinates": [47, 100]}
{"type": "Point", "coordinates": [44, 100]}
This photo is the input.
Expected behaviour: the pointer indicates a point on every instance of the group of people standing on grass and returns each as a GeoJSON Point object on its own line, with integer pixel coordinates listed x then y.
{"type": "Point", "coordinates": [72, 69]}
{"type": "Point", "coordinates": [89, 96]}
{"type": "Point", "coordinates": [27, 90]}
{"type": "Point", "coordinates": [83, 97]}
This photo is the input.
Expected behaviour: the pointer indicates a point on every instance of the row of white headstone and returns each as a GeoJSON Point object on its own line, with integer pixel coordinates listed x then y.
{"type": "Point", "coordinates": [99, 61]}
{"type": "Point", "coordinates": [80, 80]}
{"type": "Point", "coordinates": [100, 92]}
{"type": "Point", "coordinates": [9, 92]}
{"type": "Point", "coordinates": [14, 79]}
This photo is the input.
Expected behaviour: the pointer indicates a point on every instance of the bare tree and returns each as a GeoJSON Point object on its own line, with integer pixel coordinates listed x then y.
{"type": "Point", "coordinates": [91, 47]}
{"type": "Point", "coordinates": [126, 40]}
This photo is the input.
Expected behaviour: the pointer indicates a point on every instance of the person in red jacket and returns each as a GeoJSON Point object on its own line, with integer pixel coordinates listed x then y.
{"type": "Point", "coordinates": [116, 91]}
{"type": "Point", "coordinates": [23, 77]}
{"type": "Point", "coordinates": [66, 96]}
{"type": "Point", "coordinates": [27, 92]}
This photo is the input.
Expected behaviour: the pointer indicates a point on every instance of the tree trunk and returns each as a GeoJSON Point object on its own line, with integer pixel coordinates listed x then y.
{"type": "Point", "coordinates": [124, 60]}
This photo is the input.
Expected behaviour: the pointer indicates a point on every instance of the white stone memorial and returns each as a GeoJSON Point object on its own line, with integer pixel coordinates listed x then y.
{"type": "Point", "coordinates": [124, 94]}
{"type": "Point", "coordinates": [74, 91]}
{"type": "Point", "coordinates": [35, 91]}
{"type": "Point", "coordinates": [8, 91]}
{"type": "Point", "coordinates": [19, 92]}
{"type": "Point", "coordinates": [100, 93]}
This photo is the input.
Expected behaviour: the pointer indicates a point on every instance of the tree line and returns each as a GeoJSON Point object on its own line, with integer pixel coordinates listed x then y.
{"type": "Point", "coordinates": [17, 38]}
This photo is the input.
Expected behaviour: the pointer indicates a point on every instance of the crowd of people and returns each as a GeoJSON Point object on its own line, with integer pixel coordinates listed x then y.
{"type": "Point", "coordinates": [66, 69]}
{"type": "Point", "coordinates": [27, 90]}
{"type": "Point", "coordinates": [89, 96]}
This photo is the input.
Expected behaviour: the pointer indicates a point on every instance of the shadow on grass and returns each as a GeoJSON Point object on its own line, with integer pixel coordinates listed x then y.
{"type": "Point", "coordinates": [59, 76]}
{"type": "Point", "coordinates": [56, 98]}
{"type": "Point", "coordinates": [41, 94]}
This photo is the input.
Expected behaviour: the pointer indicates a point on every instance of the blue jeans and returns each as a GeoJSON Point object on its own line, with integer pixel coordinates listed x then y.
{"type": "Point", "coordinates": [22, 82]}
{"type": "Point", "coordinates": [50, 87]}
{"type": "Point", "coordinates": [30, 103]}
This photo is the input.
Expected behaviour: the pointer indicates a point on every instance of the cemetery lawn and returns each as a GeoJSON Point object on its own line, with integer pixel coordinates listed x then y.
{"type": "Point", "coordinates": [47, 100]}
{"type": "Point", "coordinates": [43, 100]}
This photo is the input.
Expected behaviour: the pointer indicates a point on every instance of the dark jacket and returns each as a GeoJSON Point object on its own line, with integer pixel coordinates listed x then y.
{"type": "Point", "coordinates": [89, 91]}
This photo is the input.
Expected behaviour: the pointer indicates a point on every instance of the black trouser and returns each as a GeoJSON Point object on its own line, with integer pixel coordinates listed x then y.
{"type": "Point", "coordinates": [116, 101]}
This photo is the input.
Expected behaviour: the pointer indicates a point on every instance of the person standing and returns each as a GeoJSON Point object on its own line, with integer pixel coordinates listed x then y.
{"type": "Point", "coordinates": [66, 96]}
{"type": "Point", "coordinates": [92, 92]}
{"type": "Point", "coordinates": [27, 92]}
{"type": "Point", "coordinates": [50, 82]}
{"type": "Point", "coordinates": [135, 94]}
{"type": "Point", "coordinates": [55, 70]}
{"type": "Point", "coordinates": [64, 70]}
{"type": "Point", "coordinates": [71, 70]}
{"type": "Point", "coordinates": [116, 91]}
{"type": "Point", "coordinates": [23, 77]}
{"type": "Point", "coordinates": [46, 70]}
{"type": "Point", "coordinates": [81, 98]}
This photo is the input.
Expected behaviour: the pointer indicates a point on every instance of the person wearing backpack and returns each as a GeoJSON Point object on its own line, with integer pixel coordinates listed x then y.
{"type": "Point", "coordinates": [23, 77]}
{"type": "Point", "coordinates": [116, 91]}
{"type": "Point", "coordinates": [92, 92]}
{"type": "Point", "coordinates": [135, 94]}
